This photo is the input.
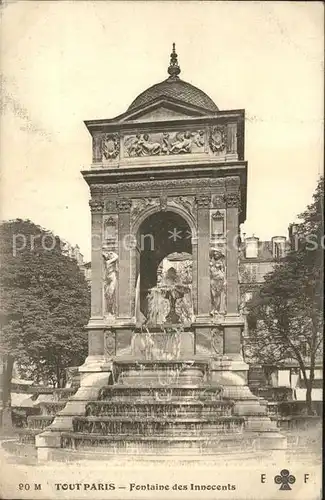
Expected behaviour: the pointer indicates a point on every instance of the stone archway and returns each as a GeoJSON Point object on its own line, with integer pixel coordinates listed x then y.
{"type": "Point", "coordinates": [160, 235]}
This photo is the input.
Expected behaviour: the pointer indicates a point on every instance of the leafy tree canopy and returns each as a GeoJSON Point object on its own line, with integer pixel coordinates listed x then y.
{"type": "Point", "coordinates": [45, 302]}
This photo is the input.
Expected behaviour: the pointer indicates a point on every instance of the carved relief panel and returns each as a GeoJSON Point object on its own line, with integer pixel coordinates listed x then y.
{"type": "Point", "coordinates": [164, 143]}
{"type": "Point", "coordinates": [217, 224]}
{"type": "Point", "coordinates": [109, 344]}
{"type": "Point", "coordinates": [141, 204]}
{"type": "Point", "coordinates": [186, 203]}
{"type": "Point", "coordinates": [217, 341]}
{"type": "Point", "coordinates": [110, 231]}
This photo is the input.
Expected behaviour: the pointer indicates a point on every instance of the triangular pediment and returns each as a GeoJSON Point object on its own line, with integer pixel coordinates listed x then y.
{"type": "Point", "coordinates": [160, 114]}
{"type": "Point", "coordinates": [162, 110]}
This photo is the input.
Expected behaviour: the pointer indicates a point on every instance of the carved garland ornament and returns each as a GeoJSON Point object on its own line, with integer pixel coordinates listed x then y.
{"type": "Point", "coordinates": [96, 206]}
{"type": "Point", "coordinates": [124, 205]}
{"type": "Point", "coordinates": [233, 200]}
{"type": "Point", "coordinates": [110, 206]}
{"type": "Point", "coordinates": [218, 138]}
{"type": "Point", "coordinates": [203, 201]}
{"type": "Point", "coordinates": [110, 146]}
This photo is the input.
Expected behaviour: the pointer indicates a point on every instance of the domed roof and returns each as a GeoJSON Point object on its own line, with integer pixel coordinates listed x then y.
{"type": "Point", "coordinates": [175, 88]}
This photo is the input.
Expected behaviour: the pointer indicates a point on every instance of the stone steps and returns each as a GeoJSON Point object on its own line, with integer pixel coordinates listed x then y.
{"type": "Point", "coordinates": [159, 392]}
{"type": "Point", "coordinates": [169, 409]}
{"type": "Point", "coordinates": [110, 426]}
{"type": "Point", "coordinates": [51, 407]}
{"type": "Point", "coordinates": [39, 421]}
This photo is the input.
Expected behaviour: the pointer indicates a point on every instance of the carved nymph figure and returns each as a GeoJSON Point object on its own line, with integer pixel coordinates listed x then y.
{"type": "Point", "coordinates": [217, 282]}
{"type": "Point", "coordinates": [110, 280]}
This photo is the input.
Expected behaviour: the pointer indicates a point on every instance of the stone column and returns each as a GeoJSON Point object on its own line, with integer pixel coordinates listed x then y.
{"type": "Point", "coordinates": [194, 274]}
{"type": "Point", "coordinates": [95, 336]}
{"type": "Point", "coordinates": [232, 338]}
{"type": "Point", "coordinates": [203, 261]}
{"type": "Point", "coordinates": [124, 263]}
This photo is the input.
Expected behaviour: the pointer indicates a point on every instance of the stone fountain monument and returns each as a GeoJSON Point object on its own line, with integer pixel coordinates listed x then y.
{"type": "Point", "coordinates": [165, 372]}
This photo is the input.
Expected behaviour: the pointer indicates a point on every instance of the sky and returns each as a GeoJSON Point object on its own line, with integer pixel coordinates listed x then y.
{"type": "Point", "coordinates": [65, 62]}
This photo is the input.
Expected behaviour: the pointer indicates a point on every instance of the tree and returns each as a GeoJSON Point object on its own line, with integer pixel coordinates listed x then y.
{"type": "Point", "coordinates": [45, 304]}
{"type": "Point", "coordinates": [285, 317]}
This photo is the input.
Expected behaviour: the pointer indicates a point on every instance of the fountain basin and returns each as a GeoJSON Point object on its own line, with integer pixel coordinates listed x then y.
{"type": "Point", "coordinates": [159, 445]}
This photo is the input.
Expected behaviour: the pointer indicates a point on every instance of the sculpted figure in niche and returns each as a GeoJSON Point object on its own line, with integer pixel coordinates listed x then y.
{"type": "Point", "coordinates": [110, 280]}
{"type": "Point", "coordinates": [217, 282]}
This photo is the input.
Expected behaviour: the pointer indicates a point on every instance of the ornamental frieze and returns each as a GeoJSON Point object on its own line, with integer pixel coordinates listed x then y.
{"type": "Point", "coordinates": [164, 143]}
{"type": "Point", "coordinates": [124, 187]}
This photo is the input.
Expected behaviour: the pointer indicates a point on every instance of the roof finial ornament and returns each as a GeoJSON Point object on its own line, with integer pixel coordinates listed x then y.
{"type": "Point", "coordinates": [173, 68]}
